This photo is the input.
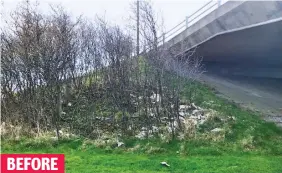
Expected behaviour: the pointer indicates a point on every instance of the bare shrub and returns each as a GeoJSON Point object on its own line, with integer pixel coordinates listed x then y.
{"type": "Point", "coordinates": [60, 72]}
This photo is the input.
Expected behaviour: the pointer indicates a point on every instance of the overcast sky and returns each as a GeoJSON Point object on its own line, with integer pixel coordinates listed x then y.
{"type": "Point", "coordinates": [118, 11]}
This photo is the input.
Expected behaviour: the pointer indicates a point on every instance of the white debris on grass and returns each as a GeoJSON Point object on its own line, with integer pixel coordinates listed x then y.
{"type": "Point", "coordinates": [156, 97]}
{"type": "Point", "coordinates": [216, 130]}
{"type": "Point", "coordinates": [165, 164]}
{"type": "Point", "coordinates": [141, 135]}
{"type": "Point", "coordinates": [120, 144]}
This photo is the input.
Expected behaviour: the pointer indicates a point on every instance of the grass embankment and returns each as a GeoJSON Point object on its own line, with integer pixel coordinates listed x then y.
{"type": "Point", "coordinates": [252, 145]}
{"type": "Point", "coordinates": [90, 159]}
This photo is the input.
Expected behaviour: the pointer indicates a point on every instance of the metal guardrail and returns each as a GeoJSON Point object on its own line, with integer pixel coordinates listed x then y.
{"type": "Point", "coordinates": [189, 21]}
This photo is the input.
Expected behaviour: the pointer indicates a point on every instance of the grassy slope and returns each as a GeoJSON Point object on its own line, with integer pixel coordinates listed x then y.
{"type": "Point", "coordinates": [91, 159]}
{"type": "Point", "coordinates": [267, 137]}
{"type": "Point", "coordinates": [261, 151]}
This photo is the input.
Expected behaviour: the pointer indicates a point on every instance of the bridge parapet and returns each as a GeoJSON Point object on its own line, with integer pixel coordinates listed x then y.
{"type": "Point", "coordinates": [229, 16]}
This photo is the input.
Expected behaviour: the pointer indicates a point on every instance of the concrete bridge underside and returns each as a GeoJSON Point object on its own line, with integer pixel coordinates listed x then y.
{"type": "Point", "coordinates": [241, 46]}
{"type": "Point", "coordinates": [238, 38]}
{"type": "Point", "coordinates": [254, 51]}
{"type": "Point", "coordinates": [245, 66]}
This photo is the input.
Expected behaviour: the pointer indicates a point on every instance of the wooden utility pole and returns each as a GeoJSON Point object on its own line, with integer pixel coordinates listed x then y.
{"type": "Point", "coordinates": [137, 46]}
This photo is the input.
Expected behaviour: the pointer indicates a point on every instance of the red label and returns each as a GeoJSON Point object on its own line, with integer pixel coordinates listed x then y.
{"type": "Point", "coordinates": [32, 163]}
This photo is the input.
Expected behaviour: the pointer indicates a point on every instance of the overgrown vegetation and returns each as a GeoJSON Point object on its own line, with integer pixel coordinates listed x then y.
{"type": "Point", "coordinates": [252, 145]}
{"type": "Point", "coordinates": [244, 134]}
{"type": "Point", "coordinates": [82, 156]}
{"type": "Point", "coordinates": [73, 86]}
{"type": "Point", "coordinates": [60, 72]}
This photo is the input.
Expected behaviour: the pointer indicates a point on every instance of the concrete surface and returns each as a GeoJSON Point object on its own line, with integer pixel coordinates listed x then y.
{"type": "Point", "coordinates": [229, 16]}
{"type": "Point", "coordinates": [258, 94]}
{"type": "Point", "coordinates": [241, 46]}
{"type": "Point", "coordinates": [261, 44]}
{"type": "Point", "coordinates": [244, 35]}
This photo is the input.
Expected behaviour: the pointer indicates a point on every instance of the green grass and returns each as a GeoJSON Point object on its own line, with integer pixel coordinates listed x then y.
{"type": "Point", "coordinates": [252, 145]}
{"type": "Point", "coordinates": [267, 137]}
{"type": "Point", "coordinates": [91, 159]}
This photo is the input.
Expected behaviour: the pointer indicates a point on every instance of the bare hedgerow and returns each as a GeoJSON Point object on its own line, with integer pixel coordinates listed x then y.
{"type": "Point", "coordinates": [60, 72]}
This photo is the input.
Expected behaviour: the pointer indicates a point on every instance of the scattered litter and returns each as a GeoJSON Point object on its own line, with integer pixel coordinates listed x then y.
{"type": "Point", "coordinates": [165, 164]}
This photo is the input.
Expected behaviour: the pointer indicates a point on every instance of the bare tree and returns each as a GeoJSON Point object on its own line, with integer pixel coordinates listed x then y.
{"type": "Point", "coordinates": [177, 60]}
{"type": "Point", "coordinates": [59, 71]}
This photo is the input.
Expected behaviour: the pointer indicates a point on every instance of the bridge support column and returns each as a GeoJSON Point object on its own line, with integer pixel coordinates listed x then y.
{"type": "Point", "coordinates": [218, 3]}
{"type": "Point", "coordinates": [187, 21]}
